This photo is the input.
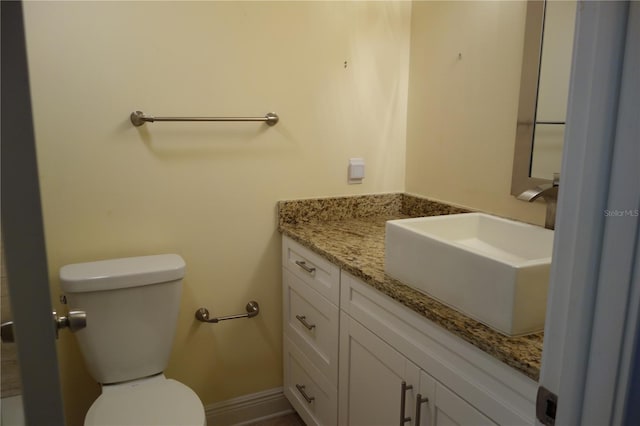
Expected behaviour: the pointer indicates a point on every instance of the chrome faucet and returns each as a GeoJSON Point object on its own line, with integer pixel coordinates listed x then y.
{"type": "Point", "coordinates": [549, 192]}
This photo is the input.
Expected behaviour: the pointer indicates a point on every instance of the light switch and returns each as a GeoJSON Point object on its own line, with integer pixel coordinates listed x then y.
{"type": "Point", "coordinates": [356, 170]}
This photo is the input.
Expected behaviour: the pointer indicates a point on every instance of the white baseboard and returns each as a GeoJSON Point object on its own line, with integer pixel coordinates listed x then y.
{"type": "Point", "coordinates": [248, 409]}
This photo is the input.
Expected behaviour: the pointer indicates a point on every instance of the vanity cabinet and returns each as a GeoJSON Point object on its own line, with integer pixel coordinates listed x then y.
{"type": "Point", "coordinates": [379, 383]}
{"type": "Point", "coordinates": [354, 356]}
{"type": "Point", "coordinates": [464, 375]}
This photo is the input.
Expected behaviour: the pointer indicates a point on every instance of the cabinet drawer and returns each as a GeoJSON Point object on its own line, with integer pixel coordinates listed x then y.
{"type": "Point", "coordinates": [310, 393]}
{"type": "Point", "coordinates": [311, 322]}
{"type": "Point", "coordinates": [319, 273]}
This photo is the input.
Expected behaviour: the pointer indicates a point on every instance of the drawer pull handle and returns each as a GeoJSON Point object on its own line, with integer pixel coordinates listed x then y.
{"type": "Point", "coordinates": [404, 387]}
{"type": "Point", "coordinates": [303, 265]}
{"type": "Point", "coordinates": [419, 401]}
{"type": "Point", "coordinates": [303, 320]}
{"type": "Point", "coordinates": [307, 398]}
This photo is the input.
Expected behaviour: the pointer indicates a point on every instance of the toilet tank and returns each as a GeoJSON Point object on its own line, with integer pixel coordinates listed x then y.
{"type": "Point", "coordinates": [132, 309]}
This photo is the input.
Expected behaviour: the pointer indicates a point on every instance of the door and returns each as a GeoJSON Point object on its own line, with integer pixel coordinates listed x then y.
{"type": "Point", "coordinates": [594, 293]}
{"type": "Point", "coordinates": [23, 234]}
{"type": "Point", "coordinates": [375, 380]}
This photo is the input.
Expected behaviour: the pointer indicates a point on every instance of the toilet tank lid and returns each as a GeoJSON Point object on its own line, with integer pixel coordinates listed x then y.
{"type": "Point", "coordinates": [121, 273]}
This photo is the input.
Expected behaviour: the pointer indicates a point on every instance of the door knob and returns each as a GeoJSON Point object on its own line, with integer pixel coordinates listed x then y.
{"type": "Point", "coordinates": [74, 321]}
{"type": "Point", "coordinates": [6, 332]}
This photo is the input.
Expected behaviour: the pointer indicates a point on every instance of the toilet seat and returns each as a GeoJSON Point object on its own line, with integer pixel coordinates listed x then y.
{"type": "Point", "coordinates": [150, 401]}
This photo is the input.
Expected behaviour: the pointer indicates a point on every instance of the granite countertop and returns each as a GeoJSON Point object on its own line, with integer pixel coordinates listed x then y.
{"type": "Point", "coordinates": [349, 232]}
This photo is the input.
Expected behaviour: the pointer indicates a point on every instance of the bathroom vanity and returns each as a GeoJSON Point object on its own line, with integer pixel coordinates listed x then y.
{"type": "Point", "coordinates": [361, 348]}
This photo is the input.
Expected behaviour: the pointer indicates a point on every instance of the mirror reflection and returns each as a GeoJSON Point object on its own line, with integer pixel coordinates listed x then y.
{"type": "Point", "coordinates": [544, 89]}
{"type": "Point", "coordinates": [553, 87]}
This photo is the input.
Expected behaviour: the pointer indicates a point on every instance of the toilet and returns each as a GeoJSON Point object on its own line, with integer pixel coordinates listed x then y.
{"type": "Point", "coordinates": [131, 307]}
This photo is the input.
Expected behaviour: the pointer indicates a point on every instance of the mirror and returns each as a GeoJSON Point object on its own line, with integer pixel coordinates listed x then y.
{"type": "Point", "coordinates": [544, 89]}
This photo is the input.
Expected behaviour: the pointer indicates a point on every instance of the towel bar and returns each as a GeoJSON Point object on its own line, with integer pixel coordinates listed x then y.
{"type": "Point", "coordinates": [252, 309]}
{"type": "Point", "coordinates": [138, 118]}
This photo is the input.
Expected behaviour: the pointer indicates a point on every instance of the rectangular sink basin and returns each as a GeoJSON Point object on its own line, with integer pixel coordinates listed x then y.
{"type": "Point", "coordinates": [491, 269]}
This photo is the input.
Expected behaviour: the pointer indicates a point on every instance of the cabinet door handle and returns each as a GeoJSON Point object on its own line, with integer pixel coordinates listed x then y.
{"type": "Point", "coordinates": [303, 320]}
{"type": "Point", "coordinates": [419, 401]}
{"type": "Point", "coordinates": [404, 387]}
{"type": "Point", "coordinates": [307, 398]}
{"type": "Point", "coordinates": [303, 265]}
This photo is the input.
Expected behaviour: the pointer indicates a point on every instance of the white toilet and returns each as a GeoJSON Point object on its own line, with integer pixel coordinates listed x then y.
{"type": "Point", "coordinates": [132, 307]}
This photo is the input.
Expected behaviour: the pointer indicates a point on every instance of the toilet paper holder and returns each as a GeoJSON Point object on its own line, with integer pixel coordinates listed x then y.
{"type": "Point", "coordinates": [252, 309]}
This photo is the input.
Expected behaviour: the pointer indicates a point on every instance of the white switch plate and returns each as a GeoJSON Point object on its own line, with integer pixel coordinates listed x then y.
{"type": "Point", "coordinates": [356, 170]}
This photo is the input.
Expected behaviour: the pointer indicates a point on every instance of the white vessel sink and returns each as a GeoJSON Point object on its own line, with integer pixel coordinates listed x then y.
{"type": "Point", "coordinates": [491, 269]}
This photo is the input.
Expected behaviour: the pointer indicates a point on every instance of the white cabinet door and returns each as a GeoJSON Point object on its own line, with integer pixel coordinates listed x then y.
{"type": "Point", "coordinates": [371, 379]}
{"type": "Point", "coordinates": [436, 405]}
{"type": "Point", "coordinates": [449, 409]}
{"type": "Point", "coordinates": [425, 401]}
{"type": "Point", "coordinates": [372, 374]}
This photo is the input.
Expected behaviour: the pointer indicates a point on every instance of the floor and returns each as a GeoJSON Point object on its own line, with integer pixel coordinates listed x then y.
{"type": "Point", "coordinates": [11, 412]}
{"type": "Point", "coordinates": [287, 420]}
{"type": "Point", "coordinates": [10, 384]}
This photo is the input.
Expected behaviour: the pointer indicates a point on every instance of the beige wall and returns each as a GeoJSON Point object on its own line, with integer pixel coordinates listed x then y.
{"type": "Point", "coordinates": [208, 191]}
{"type": "Point", "coordinates": [462, 110]}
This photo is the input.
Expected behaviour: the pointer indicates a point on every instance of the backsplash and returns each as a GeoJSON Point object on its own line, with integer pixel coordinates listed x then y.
{"type": "Point", "coordinates": [415, 206]}
{"type": "Point", "coordinates": [350, 207]}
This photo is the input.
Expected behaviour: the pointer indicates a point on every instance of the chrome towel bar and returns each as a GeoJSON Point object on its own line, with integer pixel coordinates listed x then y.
{"type": "Point", "coordinates": [138, 118]}
{"type": "Point", "coordinates": [252, 309]}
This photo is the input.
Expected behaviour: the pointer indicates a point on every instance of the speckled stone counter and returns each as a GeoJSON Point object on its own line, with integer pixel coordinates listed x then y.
{"type": "Point", "coordinates": [349, 231]}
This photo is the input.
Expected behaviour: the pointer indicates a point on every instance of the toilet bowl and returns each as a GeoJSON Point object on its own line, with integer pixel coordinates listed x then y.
{"type": "Point", "coordinates": [131, 307]}
{"type": "Point", "coordinates": [151, 401]}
